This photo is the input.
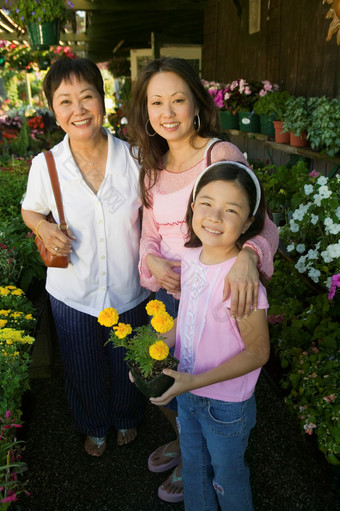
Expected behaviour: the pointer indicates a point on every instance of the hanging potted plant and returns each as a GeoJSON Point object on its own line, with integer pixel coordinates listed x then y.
{"type": "Point", "coordinates": [146, 352]}
{"type": "Point", "coordinates": [296, 121]}
{"type": "Point", "coordinates": [43, 19]}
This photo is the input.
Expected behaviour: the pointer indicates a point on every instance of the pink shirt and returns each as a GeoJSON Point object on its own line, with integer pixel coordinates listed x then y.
{"type": "Point", "coordinates": [164, 227]}
{"type": "Point", "coordinates": [206, 334]}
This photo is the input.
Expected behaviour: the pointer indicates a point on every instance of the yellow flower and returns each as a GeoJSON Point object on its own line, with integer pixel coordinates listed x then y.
{"type": "Point", "coordinates": [162, 322]}
{"type": "Point", "coordinates": [4, 291]}
{"type": "Point", "coordinates": [10, 287]}
{"type": "Point", "coordinates": [16, 315]}
{"type": "Point", "coordinates": [29, 316]}
{"type": "Point", "coordinates": [4, 312]}
{"type": "Point", "coordinates": [122, 330]}
{"type": "Point", "coordinates": [3, 322]}
{"type": "Point", "coordinates": [108, 317]}
{"type": "Point", "coordinates": [154, 307]}
{"type": "Point", "coordinates": [17, 292]}
{"type": "Point", "coordinates": [27, 339]}
{"type": "Point", "coordinates": [159, 350]}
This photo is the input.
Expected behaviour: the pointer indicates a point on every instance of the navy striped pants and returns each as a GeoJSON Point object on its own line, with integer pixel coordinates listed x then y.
{"type": "Point", "coordinates": [97, 385]}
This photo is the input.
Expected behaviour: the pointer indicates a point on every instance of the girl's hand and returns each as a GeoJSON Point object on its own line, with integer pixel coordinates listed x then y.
{"type": "Point", "coordinates": [131, 378]}
{"type": "Point", "coordinates": [162, 270]}
{"type": "Point", "coordinates": [242, 284]}
{"type": "Point", "coordinates": [183, 383]}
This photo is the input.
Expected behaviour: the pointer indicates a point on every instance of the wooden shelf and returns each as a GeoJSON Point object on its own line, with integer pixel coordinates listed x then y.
{"type": "Point", "coordinates": [286, 148]}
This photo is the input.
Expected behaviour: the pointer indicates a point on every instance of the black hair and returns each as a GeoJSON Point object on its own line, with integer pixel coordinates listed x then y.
{"type": "Point", "coordinates": [64, 69]}
{"type": "Point", "coordinates": [230, 172]}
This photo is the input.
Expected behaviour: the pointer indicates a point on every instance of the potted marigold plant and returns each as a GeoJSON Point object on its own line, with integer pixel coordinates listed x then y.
{"type": "Point", "coordinates": [146, 352]}
{"type": "Point", "coordinates": [42, 18]}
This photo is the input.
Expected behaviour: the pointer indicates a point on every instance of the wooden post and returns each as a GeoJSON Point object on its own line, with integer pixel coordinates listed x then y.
{"type": "Point", "coordinates": [28, 87]}
{"type": "Point", "coordinates": [155, 46]}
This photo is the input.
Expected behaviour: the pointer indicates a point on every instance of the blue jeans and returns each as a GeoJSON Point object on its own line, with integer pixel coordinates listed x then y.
{"type": "Point", "coordinates": [214, 437]}
{"type": "Point", "coordinates": [171, 305]}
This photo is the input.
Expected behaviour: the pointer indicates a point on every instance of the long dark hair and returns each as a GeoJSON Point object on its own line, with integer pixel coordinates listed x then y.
{"type": "Point", "coordinates": [149, 150]}
{"type": "Point", "coordinates": [233, 173]}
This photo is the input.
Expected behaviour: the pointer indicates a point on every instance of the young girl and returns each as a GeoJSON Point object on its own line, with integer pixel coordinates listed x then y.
{"type": "Point", "coordinates": [220, 357]}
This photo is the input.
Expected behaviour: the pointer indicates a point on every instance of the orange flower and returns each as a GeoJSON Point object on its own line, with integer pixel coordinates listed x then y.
{"type": "Point", "coordinates": [159, 350]}
{"type": "Point", "coordinates": [162, 322]}
{"type": "Point", "coordinates": [108, 317]}
{"type": "Point", "coordinates": [122, 330]}
{"type": "Point", "coordinates": [154, 307]}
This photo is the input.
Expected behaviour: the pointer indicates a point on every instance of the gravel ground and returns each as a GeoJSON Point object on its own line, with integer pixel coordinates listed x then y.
{"type": "Point", "coordinates": [287, 472]}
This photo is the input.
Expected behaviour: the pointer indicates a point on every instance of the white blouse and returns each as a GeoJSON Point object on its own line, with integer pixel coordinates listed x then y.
{"type": "Point", "coordinates": [103, 269]}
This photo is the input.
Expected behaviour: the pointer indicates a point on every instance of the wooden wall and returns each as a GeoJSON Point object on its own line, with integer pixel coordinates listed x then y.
{"type": "Point", "coordinates": [290, 48]}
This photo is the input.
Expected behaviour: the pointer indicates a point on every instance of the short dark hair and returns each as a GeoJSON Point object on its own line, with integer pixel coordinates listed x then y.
{"type": "Point", "coordinates": [150, 150]}
{"type": "Point", "coordinates": [230, 172]}
{"type": "Point", "coordinates": [64, 69]}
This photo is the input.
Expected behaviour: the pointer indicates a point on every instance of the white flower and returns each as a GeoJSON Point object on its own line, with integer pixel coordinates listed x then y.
{"type": "Point", "coordinates": [290, 247]}
{"type": "Point", "coordinates": [317, 199]}
{"type": "Point", "coordinates": [294, 227]}
{"type": "Point", "coordinates": [314, 274]}
{"type": "Point", "coordinates": [337, 212]}
{"type": "Point", "coordinates": [328, 282]}
{"type": "Point", "coordinates": [298, 214]}
{"type": "Point", "coordinates": [300, 248]}
{"type": "Point", "coordinates": [326, 256]}
{"type": "Point", "coordinates": [324, 192]}
{"type": "Point", "coordinates": [328, 221]}
{"type": "Point", "coordinates": [312, 254]}
{"type": "Point", "coordinates": [335, 229]}
{"type": "Point", "coordinates": [322, 180]}
{"type": "Point", "coordinates": [300, 265]}
{"type": "Point", "coordinates": [308, 189]}
{"type": "Point", "coordinates": [314, 218]}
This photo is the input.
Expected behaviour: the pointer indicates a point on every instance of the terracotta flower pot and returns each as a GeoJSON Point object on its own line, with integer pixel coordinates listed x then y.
{"type": "Point", "coordinates": [300, 141]}
{"type": "Point", "coordinates": [158, 385]}
{"type": "Point", "coordinates": [281, 136]}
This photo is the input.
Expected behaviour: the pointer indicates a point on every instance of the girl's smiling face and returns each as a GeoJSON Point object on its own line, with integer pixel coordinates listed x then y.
{"type": "Point", "coordinates": [78, 108]}
{"type": "Point", "coordinates": [171, 106]}
{"type": "Point", "coordinates": [220, 216]}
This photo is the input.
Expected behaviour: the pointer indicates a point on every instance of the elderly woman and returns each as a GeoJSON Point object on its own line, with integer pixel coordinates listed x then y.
{"type": "Point", "coordinates": [100, 194]}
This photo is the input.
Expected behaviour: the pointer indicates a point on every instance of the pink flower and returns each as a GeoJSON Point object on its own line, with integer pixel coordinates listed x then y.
{"type": "Point", "coordinates": [335, 282]}
{"type": "Point", "coordinates": [309, 428]}
{"type": "Point", "coordinates": [275, 318]}
{"type": "Point", "coordinates": [262, 93]}
{"type": "Point", "coordinates": [314, 173]}
{"type": "Point", "coordinates": [330, 398]}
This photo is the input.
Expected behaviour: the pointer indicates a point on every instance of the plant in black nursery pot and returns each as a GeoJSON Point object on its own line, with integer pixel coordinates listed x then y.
{"type": "Point", "coordinates": [146, 352]}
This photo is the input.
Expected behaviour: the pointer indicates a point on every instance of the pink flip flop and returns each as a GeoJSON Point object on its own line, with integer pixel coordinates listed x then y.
{"type": "Point", "coordinates": [175, 459]}
{"type": "Point", "coordinates": [171, 497]}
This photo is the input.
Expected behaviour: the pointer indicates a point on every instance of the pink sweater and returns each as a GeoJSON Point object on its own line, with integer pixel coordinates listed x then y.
{"type": "Point", "coordinates": [164, 227]}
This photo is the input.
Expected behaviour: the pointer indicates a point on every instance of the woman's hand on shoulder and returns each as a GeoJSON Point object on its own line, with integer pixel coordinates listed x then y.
{"type": "Point", "coordinates": [242, 284]}
{"type": "Point", "coordinates": [162, 270]}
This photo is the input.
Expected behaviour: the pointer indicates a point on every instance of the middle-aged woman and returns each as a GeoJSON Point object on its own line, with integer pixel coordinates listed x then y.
{"type": "Point", "coordinates": [100, 194]}
{"type": "Point", "coordinates": [172, 127]}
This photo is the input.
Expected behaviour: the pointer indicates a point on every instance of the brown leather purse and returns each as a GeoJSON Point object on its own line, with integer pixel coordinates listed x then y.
{"type": "Point", "coordinates": [55, 261]}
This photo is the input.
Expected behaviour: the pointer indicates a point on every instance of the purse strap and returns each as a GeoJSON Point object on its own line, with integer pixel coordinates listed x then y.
{"type": "Point", "coordinates": [208, 153]}
{"type": "Point", "coordinates": [56, 189]}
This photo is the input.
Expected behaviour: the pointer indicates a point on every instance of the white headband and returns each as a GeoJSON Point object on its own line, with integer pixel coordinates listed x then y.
{"type": "Point", "coordinates": [241, 166]}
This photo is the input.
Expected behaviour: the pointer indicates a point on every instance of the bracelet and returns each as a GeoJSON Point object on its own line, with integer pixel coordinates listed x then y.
{"type": "Point", "coordinates": [37, 227]}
